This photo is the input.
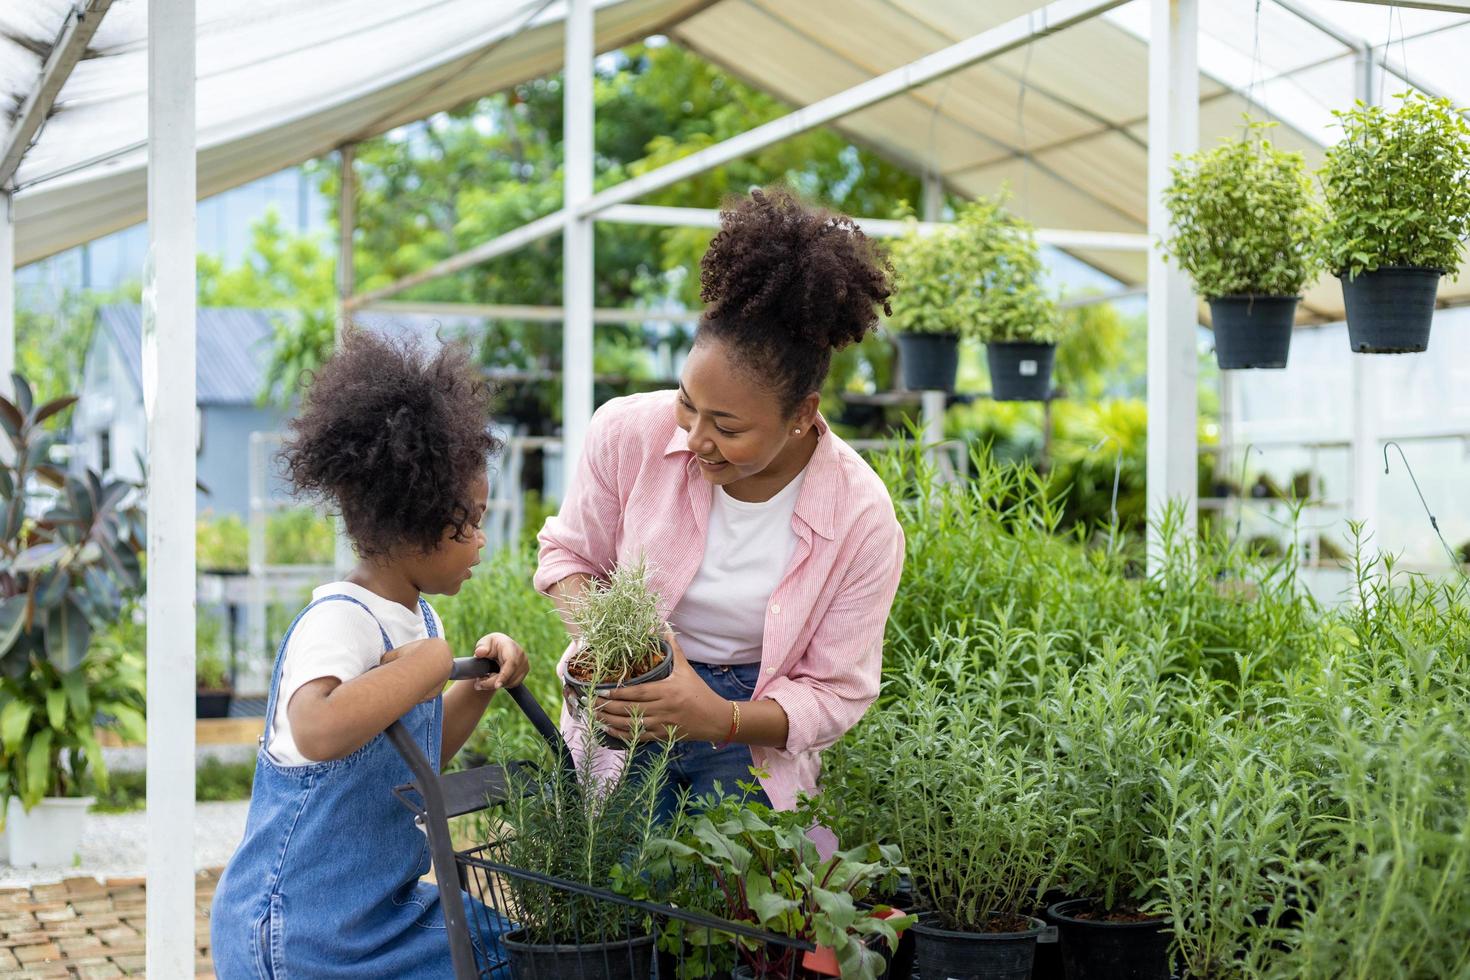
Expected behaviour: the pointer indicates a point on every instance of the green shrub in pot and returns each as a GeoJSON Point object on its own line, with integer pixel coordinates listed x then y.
{"type": "Point", "coordinates": [1245, 226]}
{"type": "Point", "coordinates": [1397, 189]}
{"type": "Point", "coordinates": [739, 860]}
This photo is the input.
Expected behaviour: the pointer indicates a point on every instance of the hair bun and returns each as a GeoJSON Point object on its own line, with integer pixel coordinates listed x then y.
{"type": "Point", "coordinates": [778, 265]}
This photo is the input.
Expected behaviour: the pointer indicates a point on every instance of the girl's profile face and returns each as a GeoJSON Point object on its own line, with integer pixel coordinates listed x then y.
{"type": "Point", "coordinates": [445, 569]}
{"type": "Point", "coordinates": [736, 428]}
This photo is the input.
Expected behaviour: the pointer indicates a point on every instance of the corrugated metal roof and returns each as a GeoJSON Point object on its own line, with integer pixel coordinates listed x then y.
{"type": "Point", "coordinates": [233, 352]}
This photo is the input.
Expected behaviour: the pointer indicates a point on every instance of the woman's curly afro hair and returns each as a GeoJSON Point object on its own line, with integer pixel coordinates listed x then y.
{"type": "Point", "coordinates": [787, 284]}
{"type": "Point", "coordinates": [393, 438]}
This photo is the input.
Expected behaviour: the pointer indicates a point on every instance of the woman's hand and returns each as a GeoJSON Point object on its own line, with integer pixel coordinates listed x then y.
{"type": "Point", "coordinates": [513, 663]}
{"type": "Point", "coordinates": [681, 704]}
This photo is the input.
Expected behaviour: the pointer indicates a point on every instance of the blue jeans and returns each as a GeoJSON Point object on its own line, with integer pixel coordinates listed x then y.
{"type": "Point", "coordinates": [698, 767]}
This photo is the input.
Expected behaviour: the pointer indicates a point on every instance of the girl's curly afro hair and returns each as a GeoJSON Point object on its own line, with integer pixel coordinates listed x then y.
{"type": "Point", "coordinates": [787, 284]}
{"type": "Point", "coordinates": [393, 439]}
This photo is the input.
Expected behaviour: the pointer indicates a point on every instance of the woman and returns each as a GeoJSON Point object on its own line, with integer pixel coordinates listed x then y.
{"type": "Point", "coordinates": [772, 545]}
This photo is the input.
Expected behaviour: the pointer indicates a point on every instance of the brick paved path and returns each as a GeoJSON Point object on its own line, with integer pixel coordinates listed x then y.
{"type": "Point", "coordinates": [83, 928]}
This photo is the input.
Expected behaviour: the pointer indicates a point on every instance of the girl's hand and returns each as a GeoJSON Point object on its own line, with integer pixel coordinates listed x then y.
{"type": "Point", "coordinates": [513, 663]}
{"type": "Point", "coordinates": [681, 704]}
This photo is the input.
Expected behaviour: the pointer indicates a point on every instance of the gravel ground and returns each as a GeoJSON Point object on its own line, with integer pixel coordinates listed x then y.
{"type": "Point", "coordinates": [115, 845]}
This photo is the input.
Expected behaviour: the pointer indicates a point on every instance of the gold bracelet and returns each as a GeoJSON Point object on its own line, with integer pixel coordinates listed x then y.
{"type": "Point", "coordinates": [734, 726]}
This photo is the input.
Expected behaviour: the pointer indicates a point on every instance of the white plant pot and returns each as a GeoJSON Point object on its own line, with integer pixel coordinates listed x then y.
{"type": "Point", "coordinates": [48, 836]}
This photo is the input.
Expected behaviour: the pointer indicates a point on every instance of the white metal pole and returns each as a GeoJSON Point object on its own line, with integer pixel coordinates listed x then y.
{"type": "Point", "coordinates": [342, 553]}
{"type": "Point", "coordinates": [1173, 396]}
{"type": "Point", "coordinates": [1365, 461]}
{"type": "Point", "coordinates": [577, 271]}
{"type": "Point", "coordinates": [168, 397]}
{"type": "Point", "coordinates": [7, 294]}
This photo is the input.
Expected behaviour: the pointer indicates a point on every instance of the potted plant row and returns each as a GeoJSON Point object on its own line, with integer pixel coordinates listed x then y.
{"type": "Point", "coordinates": [1245, 227]}
{"type": "Point", "coordinates": [980, 278]}
{"type": "Point", "coordinates": [61, 574]}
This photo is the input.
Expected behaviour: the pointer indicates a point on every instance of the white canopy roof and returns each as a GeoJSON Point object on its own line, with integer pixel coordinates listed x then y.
{"type": "Point", "coordinates": [1062, 122]}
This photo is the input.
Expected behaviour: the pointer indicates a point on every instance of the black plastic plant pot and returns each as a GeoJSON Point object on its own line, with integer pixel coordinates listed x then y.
{"type": "Point", "coordinates": [944, 953]}
{"type": "Point", "coordinates": [1097, 949]}
{"type": "Point", "coordinates": [1252, 331]}
{"type": "Point", "coordinates": [1048, 965]}
{"type": "Point", "coordinates": [660, 670]}
{"type": "Point", "coordinates": [1389, 310]}
{"type": "Point", "coordinates": [624, 959]}
{"type": "Point", "coordinates": [1020, 372]}
{"type": "Point", "coordinates": [212, 704]}
{"type": "Point", "coordinates": [930, 361]}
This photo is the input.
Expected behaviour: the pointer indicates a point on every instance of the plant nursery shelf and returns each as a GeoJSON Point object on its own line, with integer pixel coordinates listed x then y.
{"type": "Point", "coordinates": [207, 731]}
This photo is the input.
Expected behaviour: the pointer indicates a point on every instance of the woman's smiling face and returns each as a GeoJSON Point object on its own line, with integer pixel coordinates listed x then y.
{"type": "Point", "coordinates": [736, 426]}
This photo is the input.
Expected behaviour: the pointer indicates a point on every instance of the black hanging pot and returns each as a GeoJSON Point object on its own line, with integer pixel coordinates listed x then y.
{"type": "Point", "coordinates": [624, 959]}
{"type": "Point", "coordinates": [1389, 310]}
{"type": "Point", "coordinates": [581, 690]}
{"type": "Point", "coordinates": [1098, 949]}
{"type": "Point", "coordinates": [943, 953]}
{"type": "Point", "coordinates": [1020, 372]}
{"type": "Point", "coordinates": [930, 360]}
{"type": "Point", "coordinates": [1252, 331]}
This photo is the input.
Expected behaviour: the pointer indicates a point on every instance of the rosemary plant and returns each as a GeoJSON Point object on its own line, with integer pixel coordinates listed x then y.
{"type": "Point", "coordinates": [620, 626]}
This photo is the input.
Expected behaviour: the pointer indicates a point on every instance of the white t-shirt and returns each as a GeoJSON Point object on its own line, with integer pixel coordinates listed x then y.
{"type": "Point", "coordinates": [337, 639]}
{"type": "Point", "coordinates": [722, 617]}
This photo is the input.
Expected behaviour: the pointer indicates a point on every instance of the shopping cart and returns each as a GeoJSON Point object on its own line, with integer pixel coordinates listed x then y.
{"type": "Point", "coordinates": [484, 874]}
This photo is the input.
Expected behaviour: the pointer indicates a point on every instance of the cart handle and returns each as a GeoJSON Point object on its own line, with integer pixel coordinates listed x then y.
{"type": "Point", "coordinates": [464, 668]}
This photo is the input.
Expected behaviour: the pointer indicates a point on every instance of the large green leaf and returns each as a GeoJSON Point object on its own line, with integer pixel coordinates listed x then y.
{"type": "Point", "coordinates": [25, 399]}
{"type": "Point", "coordinates": [38, 774]}
{"type": "Point", "coordinates": [11, 420]}
{"type": "Point", "coordinates": [39, 556]}
{"type": "Point", "coordinates": [12, 620]}
{"type": "Point", "coordinates": [15, 718]}
{"type": "Point", "coordinates": [7, 483]}
{"type": "Point", "coordinates": [12, 517]}
{"type": "Point", "coordinates": [56, 708]}
{"type": "Point", "coordinates": [51, 408]}
{"type": "Point", "coordinates": [67, 635]}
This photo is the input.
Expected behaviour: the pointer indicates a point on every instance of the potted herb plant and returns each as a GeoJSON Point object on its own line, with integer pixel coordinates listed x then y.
{"type": "Point", "coordinates": [972, 818]}
{"type": "Point", "coordinates": [620, 639]}
{"type": "Point", "coordinates": [583, 827]}
{"type": "Point", "coordinates": [1245, 228]}
{"type": "Point", "coordinates": [212, 699]}
{"type": "Point", "coordinates": [1397, 188]}
{"type": "Point", "coordinates": [60, 574]}
{"type": "Point", "coordinates": [742, 861]}
{"type": "Point", "coordinates": [1108, 719]}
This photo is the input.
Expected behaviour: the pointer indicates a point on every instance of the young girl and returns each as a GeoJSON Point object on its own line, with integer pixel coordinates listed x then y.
{"type": "Point", "coordinates": [327, 880]}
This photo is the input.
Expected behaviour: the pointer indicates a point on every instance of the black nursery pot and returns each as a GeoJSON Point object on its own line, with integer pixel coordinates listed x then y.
{"type": "Point", "coordinates": [1020, 372]}
{"type": "Point", "coordinates": [1095, 949]}
{"type": "Point", "coordinates": [930, 361]}
{"type": "Point", "coordinates": [624, 959]}
{"type": "Point", "coordinates": [212, 704]}
{"type": "Point", "coordinates": [582, 689]}
{"type": "Point", "coordinates": [1390, 309]}
{"type": "Point", "coordinates": [1252, 331]}
{"type": "Point", "coordinates": [944, 953]}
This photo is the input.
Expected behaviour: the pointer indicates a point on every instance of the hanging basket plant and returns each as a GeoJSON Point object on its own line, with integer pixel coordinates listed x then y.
{"type": "Point", "coordinates": [1397, 188]}
{"type": "Point", "coordinates": [930, 270]}
{"type": "Point", "coordinates": [1245, 228]}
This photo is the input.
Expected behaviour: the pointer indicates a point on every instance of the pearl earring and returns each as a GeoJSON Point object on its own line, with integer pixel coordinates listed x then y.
{"type": "Point", "coordinates": [796, 432]}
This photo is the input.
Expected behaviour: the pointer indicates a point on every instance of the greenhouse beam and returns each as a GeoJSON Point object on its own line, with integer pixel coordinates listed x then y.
{"type": "Point", "coordinates": [169, 386]}
{"type": "Point", "coordinates": [7, 296]}
{"type": "Point", "coordinates": [577, 239]}
{"type": "Point", "coordinates": [986, 46]}
{"type": "Point", "coordinates": [1173, 368]}
{"type": "Point", "coordinates": [1366, 470]}
{"type": "Point", "coordinates": [342, 554]}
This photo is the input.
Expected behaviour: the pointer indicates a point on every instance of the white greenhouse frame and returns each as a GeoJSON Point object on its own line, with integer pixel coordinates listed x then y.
{"type": "Point", "coordinates": [169, 333]}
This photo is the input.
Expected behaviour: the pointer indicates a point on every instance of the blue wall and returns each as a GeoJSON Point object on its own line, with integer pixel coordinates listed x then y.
{"type": "Point", "coordinates": [224, 459]}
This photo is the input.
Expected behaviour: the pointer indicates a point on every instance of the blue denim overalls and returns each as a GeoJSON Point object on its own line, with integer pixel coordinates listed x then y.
{"type": "Point", "coordinates": [326, 882]}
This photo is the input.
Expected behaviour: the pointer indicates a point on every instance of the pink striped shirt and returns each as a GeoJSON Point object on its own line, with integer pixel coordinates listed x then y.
{"type": "Point", "coordinates": [638, 492]}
